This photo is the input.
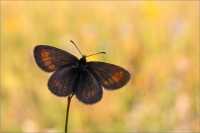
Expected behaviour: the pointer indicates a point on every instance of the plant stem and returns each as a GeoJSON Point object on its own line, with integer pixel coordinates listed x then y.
{"type": "Point", "coordinates": [67, 112]}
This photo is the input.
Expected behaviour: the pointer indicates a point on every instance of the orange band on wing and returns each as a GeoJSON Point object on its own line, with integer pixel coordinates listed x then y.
{"type": "Point", "coordinates": [114, 79]}
{"type": "Point", "coordinates": [45, 55]}
{"type": "Point", "coordinates": [89, 94]}
{"type": "Point", "coordinates": [93, 92]}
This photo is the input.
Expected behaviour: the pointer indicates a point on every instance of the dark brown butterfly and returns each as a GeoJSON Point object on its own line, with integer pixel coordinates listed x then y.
{"type": "Point", "coordinates": [77, 76]}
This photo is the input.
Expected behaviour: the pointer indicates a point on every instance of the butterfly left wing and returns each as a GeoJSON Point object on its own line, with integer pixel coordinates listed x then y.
{"type": "Point", "coordinates": [51, 59]}
{"type": "Point", "coordinates": [111, 76]}
{"type": "Point", "coordinates": [88, 89]}
{"type": "Point", "coordinates": [62, 81]}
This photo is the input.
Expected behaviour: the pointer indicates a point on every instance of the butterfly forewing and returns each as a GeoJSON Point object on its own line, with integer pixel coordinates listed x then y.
{"type": "Point", "coordinates": [110, 76]}
{"type": "Point", "coordinates": [51, 59]}
{"type": "Point", "coordinates": [61, 82]}
{"type": "Point", "coordinates": [88, 89]}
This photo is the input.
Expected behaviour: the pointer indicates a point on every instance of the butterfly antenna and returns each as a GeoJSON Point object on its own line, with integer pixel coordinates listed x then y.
{"type": "Point", "coordinates": [76, 46]}
{"type": "Point", "coordinates": [97, 53]}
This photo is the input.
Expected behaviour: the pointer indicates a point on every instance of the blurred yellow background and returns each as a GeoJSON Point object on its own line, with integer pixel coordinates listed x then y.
{"type": "Point", "coordinates": [157, 41]}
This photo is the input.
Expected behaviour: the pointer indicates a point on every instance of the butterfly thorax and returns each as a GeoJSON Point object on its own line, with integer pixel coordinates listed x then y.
{"type": "Point", "coordinates": [82, 64]}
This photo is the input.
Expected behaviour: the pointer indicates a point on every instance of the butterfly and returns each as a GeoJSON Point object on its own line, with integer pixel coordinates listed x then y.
{"type": "Point", "coordinates": [77, 76]}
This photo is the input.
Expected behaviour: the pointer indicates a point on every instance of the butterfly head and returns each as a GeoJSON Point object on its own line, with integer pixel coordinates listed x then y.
{"type": "Point", "coordinates": [82, 64]}
{"type": "Point", "coordinates": [83, 58]}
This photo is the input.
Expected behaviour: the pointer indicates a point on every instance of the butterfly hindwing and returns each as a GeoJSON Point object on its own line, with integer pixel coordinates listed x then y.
{"type": "Point", "coordinates": [110, 76]}
{"type": "Point", "coordinates": [61, 82]}
{"type": "Point", "coordinates": [51, 59]}
{"type": "Point", "coordinates": [88, 89]}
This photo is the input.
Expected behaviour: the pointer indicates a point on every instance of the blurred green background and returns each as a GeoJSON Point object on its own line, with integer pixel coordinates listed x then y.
{"type": "Point", "coordinates": [157, 41]}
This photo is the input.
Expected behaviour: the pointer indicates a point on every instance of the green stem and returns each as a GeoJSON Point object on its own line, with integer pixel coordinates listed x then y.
{"type": "Point", "coordinates": [67, 113]}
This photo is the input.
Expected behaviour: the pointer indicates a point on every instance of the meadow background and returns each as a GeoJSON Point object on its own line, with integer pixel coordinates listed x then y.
{"type": "Point", "coordinates": [157, 41]}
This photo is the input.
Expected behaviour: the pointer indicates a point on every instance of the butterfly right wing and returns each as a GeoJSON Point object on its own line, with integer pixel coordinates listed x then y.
{"type": "Point", "coordinates": [88, 89]}
{"type": "Point", "coordinates": [50, 59]}
{"type": "Point", "coordinates": [110, 76]}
